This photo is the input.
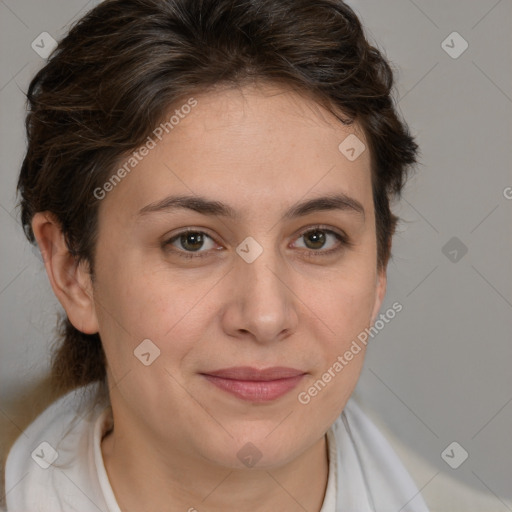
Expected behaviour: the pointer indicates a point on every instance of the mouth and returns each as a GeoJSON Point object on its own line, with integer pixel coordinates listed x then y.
{"type": "Point", "coordinates": [254, 385]}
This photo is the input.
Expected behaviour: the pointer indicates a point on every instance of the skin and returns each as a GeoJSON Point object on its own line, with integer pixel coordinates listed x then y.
{"type": "Point", "coordinates": [259, 149]}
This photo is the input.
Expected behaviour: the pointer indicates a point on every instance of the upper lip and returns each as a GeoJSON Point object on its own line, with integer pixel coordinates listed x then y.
{"type": "Point", "coordinates": [254, 374]}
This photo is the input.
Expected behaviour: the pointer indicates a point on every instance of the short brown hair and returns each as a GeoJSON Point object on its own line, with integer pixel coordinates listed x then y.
{"type": "Point", "coordinates": [120, 68]}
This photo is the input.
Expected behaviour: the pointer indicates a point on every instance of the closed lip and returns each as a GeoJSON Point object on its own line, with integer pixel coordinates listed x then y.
{"type": "Point", "coordinates": [247, 373]}
{"type": "Point", "coordinates": [253, 384]}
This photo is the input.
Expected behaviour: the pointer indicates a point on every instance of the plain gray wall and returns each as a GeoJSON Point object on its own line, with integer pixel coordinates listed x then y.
{"type": "Point", "coordinates": [440, 371]}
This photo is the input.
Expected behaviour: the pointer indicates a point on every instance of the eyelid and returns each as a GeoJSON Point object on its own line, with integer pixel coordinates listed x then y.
{"type": "Point", "coordinates": [344, 241]}
{"type": "Point", "coordinates": [342, 237]}
{"type": "Point", "coordinates": [189, 254]}
{"type": "Point", "coordinates": [327, 229]}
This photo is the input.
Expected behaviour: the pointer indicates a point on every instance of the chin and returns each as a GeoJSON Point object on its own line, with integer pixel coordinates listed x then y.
{"type": "Point", "coordinates": [259, 448]}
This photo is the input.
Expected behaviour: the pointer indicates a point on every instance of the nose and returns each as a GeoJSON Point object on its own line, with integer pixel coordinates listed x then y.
{"type": "Point", "coordinates": [262, 305]}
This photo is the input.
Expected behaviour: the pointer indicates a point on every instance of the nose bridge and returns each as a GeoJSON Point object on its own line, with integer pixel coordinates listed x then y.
{"type": "Point", "coordinates": [264, 303]}
{"type": "Point", "coordinates": [263, 281]}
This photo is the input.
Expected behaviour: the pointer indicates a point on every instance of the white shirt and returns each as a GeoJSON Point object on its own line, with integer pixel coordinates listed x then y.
{"type": "Point", "coordinates": [57, 464]}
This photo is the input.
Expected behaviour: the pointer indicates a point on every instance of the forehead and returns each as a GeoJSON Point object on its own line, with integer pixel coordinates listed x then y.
{"type": "Point", "coordinates": [249, 145]}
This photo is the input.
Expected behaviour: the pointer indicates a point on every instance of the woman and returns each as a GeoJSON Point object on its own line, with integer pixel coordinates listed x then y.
{"type": "Point", "coordinates": [209, 183]}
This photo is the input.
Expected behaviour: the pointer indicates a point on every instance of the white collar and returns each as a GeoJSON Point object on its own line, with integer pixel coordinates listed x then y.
{"type": "Point", "coordinates": [101, 426]}
{"type": "Point", "coordinates": [329, 504]}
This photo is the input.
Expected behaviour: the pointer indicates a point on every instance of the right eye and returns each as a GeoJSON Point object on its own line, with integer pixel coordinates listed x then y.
{"type": "Point", "coordinates": [190, 242]}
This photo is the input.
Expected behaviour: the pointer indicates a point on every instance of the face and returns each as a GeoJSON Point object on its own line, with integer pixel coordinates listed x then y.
{"type": "Point", "coordinates": [247, 298]}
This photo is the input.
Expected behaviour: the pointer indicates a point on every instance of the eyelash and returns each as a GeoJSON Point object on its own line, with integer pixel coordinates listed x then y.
{"type": "Point", "coordinates": [342, 238]}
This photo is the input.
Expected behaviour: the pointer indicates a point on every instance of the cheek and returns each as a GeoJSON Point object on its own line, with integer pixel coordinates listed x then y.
{"type": "Point", "coordinates": [345, 302]}
{"type": "Point", "coordinates": [135, 305]}
{"type": "Point", "coordinates": [343, 352]}
{"type": "Point", "coordinates": [345, 307]}
{"type": "Point", "coordinates": [347, 312]}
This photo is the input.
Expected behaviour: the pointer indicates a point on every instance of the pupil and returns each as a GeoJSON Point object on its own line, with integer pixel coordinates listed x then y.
{"type": "Point", "coordinates": [318, 238]}
{"type": "Point", "coordinates": [195, 239]}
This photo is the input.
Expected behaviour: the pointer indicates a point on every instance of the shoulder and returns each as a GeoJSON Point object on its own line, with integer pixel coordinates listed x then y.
{"type": "Point", "coordinates": [54, 454]}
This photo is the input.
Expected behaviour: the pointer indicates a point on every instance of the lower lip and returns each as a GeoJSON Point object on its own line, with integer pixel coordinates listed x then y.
{"type": "Point", "coordinates": [256, 391]}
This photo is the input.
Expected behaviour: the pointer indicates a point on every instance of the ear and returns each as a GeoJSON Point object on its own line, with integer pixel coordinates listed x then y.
{"type": "Point", "coordinates": [380, 292]}
{"type": "Point", "coordinates": [70, 281]}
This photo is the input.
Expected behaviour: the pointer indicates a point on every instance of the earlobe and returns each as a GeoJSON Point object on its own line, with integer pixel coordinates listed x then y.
{"type": "Point", "coordinates": [70, 281]}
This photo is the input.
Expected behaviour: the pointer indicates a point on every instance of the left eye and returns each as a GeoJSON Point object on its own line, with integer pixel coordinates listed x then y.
{"type": "Point", "coordinates": [317, 238]}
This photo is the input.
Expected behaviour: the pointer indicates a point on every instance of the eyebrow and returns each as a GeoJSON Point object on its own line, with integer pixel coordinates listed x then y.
{"type": "Point", "coordinates": [205, 206]}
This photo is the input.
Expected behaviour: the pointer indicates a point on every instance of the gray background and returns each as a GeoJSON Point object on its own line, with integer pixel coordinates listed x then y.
{"type": "Point", "coordinates": [439, 372]}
